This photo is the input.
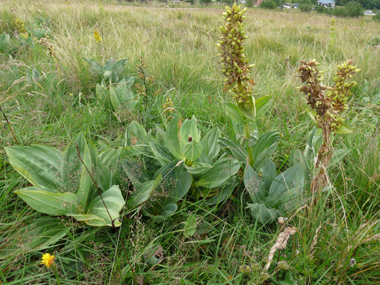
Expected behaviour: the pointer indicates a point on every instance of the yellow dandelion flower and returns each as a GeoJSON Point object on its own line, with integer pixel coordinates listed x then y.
{"type": "Point", "coordinates": [97, 37]}
{"type": "Point", "coordinates": [47, 259]}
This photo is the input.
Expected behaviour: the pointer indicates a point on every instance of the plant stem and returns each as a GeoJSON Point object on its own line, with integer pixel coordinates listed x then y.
{"type": "Point", "coordinates": [247, 135]}
{"type": "Point", "coordinates": [57, 276]}
{"type": "Point", "coordinates": [9, 125]}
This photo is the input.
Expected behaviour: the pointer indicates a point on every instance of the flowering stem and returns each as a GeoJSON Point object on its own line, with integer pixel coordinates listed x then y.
{"type": "Point", "coordinates": [247, 135]}
{"type": "Point", "coordinates": [53, 268]}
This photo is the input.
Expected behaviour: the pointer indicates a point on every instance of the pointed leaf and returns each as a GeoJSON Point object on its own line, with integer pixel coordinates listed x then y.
{"type": "Point", "coordinates": [163, 214]}
{"type": "Point", "coordinates": [94, 66]}
{"type": "Point", "coordinates": [116, 104]}
{"type": "Point", "coordinates": [236, 150]}
{"type": "Point", "coordinates": [343, 129]}
{"type": "Point", "coordinates": [85, 193]}
{"type": "Point", "coordinates": [234, 113]}
{"type": "Point", "coordinates": [161, 153]}
{"type": "Point", "coordinates": [338, 155]}
{"type": "Point", "coordinates": [172, 138]}
{"type": "Point", "coordinates": [176, 182]}
{"type": "Point", "coordinates": [198, 168]}
{"type": "Point", "coordinates": [40, 165]}
{"type": "Point", "coordinates": [289, 179]}
{"type": "Point", "coordinates": [219, 173]}
{"type": "Point", "coordinates": [254, 184]}
{"type": "Point", "coordinates": [190, 226]}
{"type": "Point", "coordinates": [210, 143]}
{"type": "Point", "coordinates": [143, 193]}
{"type": "Point", "coordinates": [135, 134]}
{"type": "Point", "coordinates": [263, 104]}
{"type": "Point", "coordinates": [44, 231]}
{"type": "Point", "coordinates": [192, 150]}
{"type": "Point", "coordinates": [71, 165]}
{"type": "Point", "coordinates": [248, 109]}
{"type": "Point", "coordinates": [189, 130]}
{"type": "Point", "coordinates": [113, 201]}
{"type": "Point", "coordinates": [49, 201]}
{"type": "Point", "coordinates": [269, 174]}
{"type": "Point", "coordinates": [263, 214]}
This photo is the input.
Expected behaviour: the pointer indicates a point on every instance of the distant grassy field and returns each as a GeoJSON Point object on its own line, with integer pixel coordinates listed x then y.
{"type": "Point", "coordinates": [178, 47]}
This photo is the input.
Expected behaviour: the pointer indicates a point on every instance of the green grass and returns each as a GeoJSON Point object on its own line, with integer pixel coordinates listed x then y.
{"type": "Point", "coordinates": [178, 46]}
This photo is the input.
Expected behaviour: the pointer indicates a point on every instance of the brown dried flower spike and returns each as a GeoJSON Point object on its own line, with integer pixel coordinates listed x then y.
{"type": "Point", "coordinates": [328, 103]}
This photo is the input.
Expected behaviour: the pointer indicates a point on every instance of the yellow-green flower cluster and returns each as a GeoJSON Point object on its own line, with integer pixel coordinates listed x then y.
{"type": "Point", "coordinates": [97, 37]}
{"type": "Point", "coordinates": [327, 101]}
{"type": "Point", "coordinates": [234, 63]}
{"type": "Point", "coordinates": [21, 28]}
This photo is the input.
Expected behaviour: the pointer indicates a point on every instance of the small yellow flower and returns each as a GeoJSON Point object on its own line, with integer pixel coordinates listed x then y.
{"type": "Point", "coordinates": [97, 37]}
{"type": "Point", "coordinates": [47, 259]}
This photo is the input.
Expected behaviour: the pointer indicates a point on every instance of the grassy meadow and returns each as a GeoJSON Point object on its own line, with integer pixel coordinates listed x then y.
{"type": "Point", "coordinates": [49, 99]}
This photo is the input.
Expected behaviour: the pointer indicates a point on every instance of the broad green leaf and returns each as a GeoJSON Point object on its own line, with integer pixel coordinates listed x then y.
{"type": "Point", "coordinates": [189, 132]}
{"type": "Point", "coordinates": [222, 192]}
{"type": "Point", "coordinates": [198, 167]}
{"type": "Point", "coordinates": [44, 231]}
{"type": "Point", "coordinates": [109, 64]}
{"type": "Point", "coordinates": [163, 214]}
{"type": "Point", "coordinates": [40, 165]}
{"type": "Point", "coordinates": [135, 134]}
{"type": "Point", "coordinates": [89, 219]}
{"type": "Point", "coordinates": [94, 66]}
{"type": "Point", "coordinates": [291, 199]}
{"type": "Point", "coordinates": [263, 104]}
{"type": "Point", "coordinates": [236, 150]}
{"type": "Point", "coordinates": [343, 129]}
{"type": "Point", "coordinates": [176, 181]}
{"type": "Point", "coordinates": [289, 179]}
{"type": "Point", "coordinates": [119, 66]}
{"type": "Point", "coordinates": [127, 81]}
{"type": "Point", "coordinates": [143, 193]}
{"type": "Point", "coordinates": [101, 92]}
{"type": "Point", "coordinates": [94, 154]}
{"type": "Point", "coordinates": [221, 171]}
{"type": "Point", "coordinates": [4, 41]}
{"type": "Point", "coordinates": [172, 138]}
{"type": "Point", "coordinates": [254, 184]}
{"type": "Point", "coordinates": [210, 143]}
{"type": "Point", "coordinates": [110, 156]}
{"type": "Point", "coordinates": [307, 165]}
{"type": "Point", "coordinates": [135, 171]}
{"type": "Point", "coordinates": [264, 148]}
{"type": "Point", "coordinates": [263, 214]}
{"type": "Point", "coordinates": [85, 193]}
{"type": "Point", "coordinates": [338, 155]}
{"type": "Point", "coordinates": [261, 158]}
{"type": "Point", "coordinates": [49, 201]}
{"type": "Point", "coordinates": [234, 113]}
{"type": "Point", "coordinates": [190, 226]}
{"type": "Point", "coordinates": [113, 201]}
{"type": "Point", "coordinates": [161, 153]}
{"type": "Point", "coordinates": [248, 109]}
{"type": "Point", "coordinates": [71, 165]}
{"type": "Point", "coordinates": [269, 174]}
{"type": "Point", "coordinates": [115, 101]}
{"type": "Point", "coordinates": [108, 75]}
{"type": "Point", "coordinates": [192, 150]}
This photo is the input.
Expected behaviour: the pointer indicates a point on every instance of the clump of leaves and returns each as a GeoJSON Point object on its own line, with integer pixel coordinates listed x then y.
{"type": "Point", "coordinates": [180, 161]}
{"type": "Point", "coordinates": [61, 185]}
{"type": "Point", "coordinates": [109, 72]}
